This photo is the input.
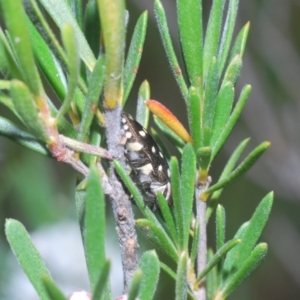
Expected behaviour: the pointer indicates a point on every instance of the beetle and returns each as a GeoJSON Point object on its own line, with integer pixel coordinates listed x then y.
{"type": "Point", "coordinates": [149, 168]}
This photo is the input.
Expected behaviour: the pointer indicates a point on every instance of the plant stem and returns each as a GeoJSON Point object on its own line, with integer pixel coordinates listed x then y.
{"type": "Point", "coordinates": [202, 244]}
{"type": "Point", "coordinates": [120, 202]}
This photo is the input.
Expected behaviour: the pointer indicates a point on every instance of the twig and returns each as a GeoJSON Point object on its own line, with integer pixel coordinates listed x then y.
{"type": "Point", "coordinates": [120, 202]}
{"type": "Point", "coordinates": [202, 244]}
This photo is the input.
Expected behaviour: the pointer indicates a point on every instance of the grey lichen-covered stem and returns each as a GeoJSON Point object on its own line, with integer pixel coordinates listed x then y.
{"type": "Point", "coordinates": [120, 202]}
{"type": "Point", "coordinates": [202, 244]}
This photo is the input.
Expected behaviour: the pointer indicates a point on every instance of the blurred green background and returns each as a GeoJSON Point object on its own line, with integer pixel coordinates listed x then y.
{"type": "Point", "coordinates": [40, 192]}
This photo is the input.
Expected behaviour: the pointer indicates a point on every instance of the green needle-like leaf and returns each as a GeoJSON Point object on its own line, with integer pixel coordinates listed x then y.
{"type": "Point", "coordinates": [94, 233]}
{"type": "Point", "coordinates": [242, 168]}
{"type": "Point", "coordinates": [233, 253]}
{"type": "Point", "coordinates": [22, 137]}
{"type": "Point", "coordinates": [92, 26]}
{"type": "Point", "coordinates": [27, 255]}
{"type": "Point", "coordinates": [223, 108]}
{"type": "Point", "coordinates": [61, 13]}
{"type": "Point", "coordinates": [194, 113]}
{"type": "Point", "coordinates": [134, 54]}
{"type": "Point", "coordinates": [227, 34]}
{"type": "Point", "coordinates": [240, 42]}
{"type": "Point", "coordinates": [142, 111]}
{"type": "Point", "coordinates": [211, 91]}
{"type": "Point", "coordinates": [233, 71]}
{"type": "Point", "coordinates": [178, 205]}
{"type": "Point", "coordinates": [95, 86]}
{"type": "Point", "coordinates": [168, 218]}
{"type": "Point", "coordinates": [166, 39]}
{"type": "Point", "coordinates": [27, 109]}
{"type": "Point", "coordinates": [71, 47]}
{"type": "Point", "coordinates": [232, 120]}
{"type": "Point", "coordinates": [255, 228]}
{"type": "Point", "coordinates": [212, 36]}
{"type": "Point", "coordinates": [211, 278]}
{"type": "Point", "coordinates": [227, 170]}
{"type": "Point", "coordinates": [220, 226]}
{"type": "Point", "coordinates": [181, 278]}
{"type": "Point", "coordinates": [112, 16]}
{"type": "Point", "coordinates": [249, 265]}
{"type": "Point", "coordinates": [47, 61]}
{"type": "Point", "coordinates": [190, 29]}
{"type": "Point", "coordinates": [100, 291]}
{"type": "Point", "coordinates": [217, 258]}
{"type": "Point", "coordinates": [158, 237]}
{"type": "Point", "coordinates": [188, 178]}
{"type": "Point", "coordinates": [149, 264]}
{"type": "Point", "coordinates": [135, 285]}
{"type": "Point", "coordinates": [194, 248]}
{"type": "Point", "coordinates": [53, 291]}
{"type": "Point", "coordinates": [15, 20]}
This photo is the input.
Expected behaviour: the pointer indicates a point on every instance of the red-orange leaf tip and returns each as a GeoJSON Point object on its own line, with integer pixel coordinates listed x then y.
{"type": "Point", "coordinates": [167, 117]}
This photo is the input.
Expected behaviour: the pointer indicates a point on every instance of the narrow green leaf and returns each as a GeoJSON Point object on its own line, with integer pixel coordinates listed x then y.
{"type": "Point", "coordinates": [27, 255]}
{"type": "Point", "coordinates": [178, 205]}
{"type": "Point", "coordinates": [134, 54]}
{"type": "Point", "coordinates": [240, 42]}
{"type": "Point", "coordinates": [233, 253]}
{"type": "Point", "coordinates": [76, 6]}
{"type": "Point", "coordinates": [149, 264]}
{"type": "Point", "coordinates": [168, 270]}
{"type": "Point", "coordinates": [15, 20]}
{"type": "Point", "coordinates": [211, 278]}
{"type": "Point", "coordinates": [112, 16]}
{"type": "Point", "coordinates": [227, 170]}
{"type": "Point", "coordinates": [22, 137]}
{"type": "Point", "coordinates": [188, 179]}
{"type": "Point", "coordinates": [71, 47]}
{"type": "Point", "coordinates": [92, 26]}
{"type": "Point", "coordinates": [166, 39]}
{"type": "Point", "coordinates": [217, 258]}
{"type": "Point", "coordinates": [135, 285]}
{"type": "Point", "coordinates": [61, 14]}
{"type": "Point", "coordinates": [100, 291]}
{"type": "Point", "coordinates": [194, 248]}
{"type": "Point", "coordinates": [233, 71]}
{"type": "Point", "coordinates": [249, 265]}
{"type": "Point", "coordinates": [8, 64]}
{"type": "Point", "coordinates": [27, 109]}
{"type": "Point", "coordinates": [158, 237]}
{"type": "Point", "coordinates": [95, 86]}
{"type": "Point", "coordinates": [212, 36]}
{"type": "Point", "coordinates": [220, 226]}
{"type": "Point", "coordinates": [223, 108]}
{"type": "Point", "coordinates": [52, 290]}
{"type": "Point", "coordinates": [232, 120]}
{"type": "Point", "coordinates": [181, 289]}
{"type": "Point", "coordinates": [190, 30]}
{"type": "Point", "coordinates": [174, 138]}
{"type": "Point", "coordinates": [204, 158]}
{"type": "Point", "coordinates": [211, 92]}
{"type": "Point", "coordinates": [94, 237]}
{"type": "Point", "coordinates": [47, 61]}
{"type": "Point", "coordinates": [242, 168]}
{"type": "Point", "coordinates": [168, 218]}
{"type": "Point", "coordinates": [142, 111]}
{"type": "Point", "coordinates": [255, 228]}
{"type": "Point", "coordinates": [194, 113]}
{"type": "Point", "coordinates": [227, 34]}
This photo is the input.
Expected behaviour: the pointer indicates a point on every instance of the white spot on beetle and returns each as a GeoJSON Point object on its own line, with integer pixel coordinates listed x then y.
{"type": "Point", "coordinates": [123, 120]}
{"type": "Point", "coordinates": [142, 133]}
{"type": "Point", "coordinates": [160, 168]}
{"type": "Point", "coordinates": [146, 169]}
{"type": "Point", "coordinates": [128, 134]}
{"type": "Point", "coordinates": [161, 155]}
{"type": "Point", "coordinates": [168, 172]}
{"type": "Point", "coordinates": [153, 149]}
{"type": "Point", "coordinates": [125, 127]}
{"type": "Point", "coordinates": [135, 146]}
